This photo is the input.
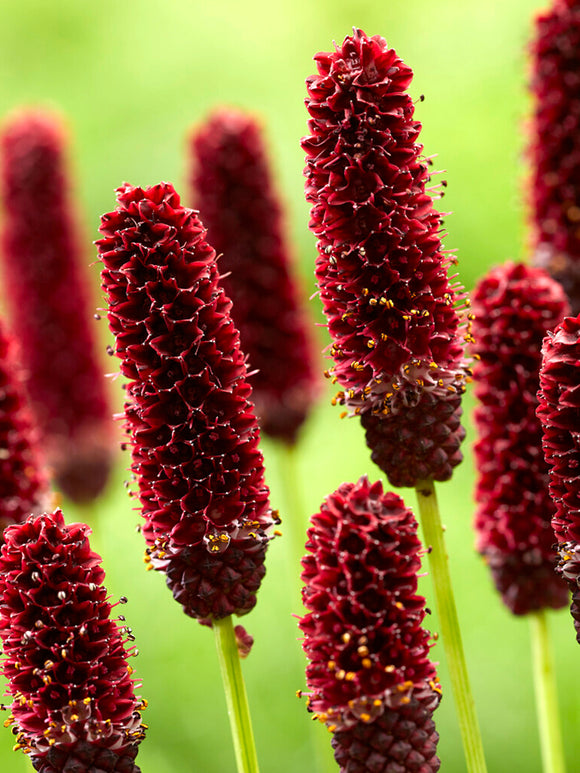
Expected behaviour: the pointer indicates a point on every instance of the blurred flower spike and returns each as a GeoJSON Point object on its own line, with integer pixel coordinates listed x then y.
{"type": "Point", "coordinates": [65, 659]}
{"type": "Point", "coordinates": [393, 312]}
{"type": "Point", "coordinates": [369, 667]}
{"type": "Point", "coordinates": [233, 188]}
{"type": "Point", "coordinates": [48, 296]}
{"type": "Point", "coordinates": [514, 307]}
{"type": "Point", "coordinates": [193, 430]}
{"type": "Point", "coordinates": [559, 412]}
{"type": "Point", "coordinates": [24, 487]}
{"type": "Point", "coordinates": [554, 151]}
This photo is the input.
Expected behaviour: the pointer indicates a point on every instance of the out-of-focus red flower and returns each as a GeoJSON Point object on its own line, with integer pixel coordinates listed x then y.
{"type": "Point", "coordinates": [555, 145]}
{"type": "Point", "coordinates": [398, 338]}
{"type": "Point", "coordinates": [23, 484]}
{"type": "Point", "coordinates": [233, 189]}
{"type": "Point", "coordinates": [559, 412]}
{"type": "Point", "coordinates": [65, 658]}
{"type": "Point", "coordinates": [48, 296]}
{"type": "Point", "coordinates": [192, 427]}
{"type": "Point", "coordinates": [368, 654]}
{"type": "Point", "coordinates": [514, 307]}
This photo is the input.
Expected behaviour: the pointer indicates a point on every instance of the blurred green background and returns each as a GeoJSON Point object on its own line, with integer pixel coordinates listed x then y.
{"type": "Point", "coordinates": [131, 77]}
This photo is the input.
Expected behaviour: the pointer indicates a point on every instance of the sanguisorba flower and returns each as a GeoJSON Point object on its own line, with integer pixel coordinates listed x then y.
{"type": "Point", "coordinates": [554, 151]}
{"type": "Point", "coordinates": [193, 431]}
{"type": "Point", "coordinates": [514, 307]}
{"type": "Point", "coordinates": [65, 658]}
{"type": "Point", "coordinates": [23, 483]}
{"type": "Point", "coordinates": [559, 412]}
{"type": "Point", "coordinates": [392, 310]}
{"type": "Point", "coordinates": [369, 674]}
{"type": "Point", "coordinates": [47, 293]}
{"type": "Point", "coordinates": [234, 191]}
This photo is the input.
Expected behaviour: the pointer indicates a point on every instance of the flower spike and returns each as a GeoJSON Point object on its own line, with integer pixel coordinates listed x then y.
{"type": "Point", "coordinates": [233, 189]}
{"type": "Point", "coordinates": [24, 486]}
{"type": "Point", "coordinates": [65, 659]}
{"type": "Point", "coordinates": [392, 311]}
{"type": "Point", "coordinates": [559, 412]}
{"type": "Point", "coordinates": [514, 307]}
{"type": "Point", "coordinates": [51, 313]}
{"type": "Point", "coordinates": [554, 150]}
{"type": "Point", "coordinates": [193, 430]}
{"type": "Point", "coordinates": [370, 678]}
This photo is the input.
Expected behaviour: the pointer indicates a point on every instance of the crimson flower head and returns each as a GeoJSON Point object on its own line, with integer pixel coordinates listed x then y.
{"type": "Point", "coordinates": [233, 189]}
{"type": "Point", "coordinates": [369, 674]}
{"type": "Point", "coordinates": [514, 307]}
{"type": "Point", "coordinates": [23, 484]}
{"type": "Point", "coordinates": [65, 658]}
{"type": "Point", "coordinates": [559, 412]}
{"type": "Point", "coordinates": [193, 430]}
{"type": "Point", "coordinates": [47, 293]}
{"type": "Point", "coordinates": [381, 270]}
{"type": "Point", "coordinates": [555, 145]}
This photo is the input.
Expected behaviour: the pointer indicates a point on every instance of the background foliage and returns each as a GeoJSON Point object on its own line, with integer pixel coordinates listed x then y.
{"type": "Point", "coordinates": [131, 77]}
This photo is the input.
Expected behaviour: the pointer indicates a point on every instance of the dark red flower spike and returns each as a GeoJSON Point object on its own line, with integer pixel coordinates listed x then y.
{"type": "Point", "coordinates": [193, 430]}
{"type": "Point", "coordinates": [233, 189]}
{"type": "Point", "coordinates": [555, 145]}
{"type": "Point", "coordinates": [48, 296]}
{"type": "Point", "coordinates": [559, 412]}
{"type": "Point", "coordinates": [369, 674]}
{"type": "Point", "coordinates": [514, 307]}
{"type": "Point", "coordinates": [65, 658]}
{"type": "Point", "coordinates": [23, 484]}
{"type": "Point", "coordinates": [398, 337]}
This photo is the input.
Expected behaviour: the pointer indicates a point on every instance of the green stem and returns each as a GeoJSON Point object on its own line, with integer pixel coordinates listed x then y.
{"type": "Point", "coordinates": [295, 521]}
{"type": "Point", "coordinates": [236, 698]}
{"type": "Point", "coordinates": [546, 695]}
{"type": "Point", "coordinates": [450, 633]}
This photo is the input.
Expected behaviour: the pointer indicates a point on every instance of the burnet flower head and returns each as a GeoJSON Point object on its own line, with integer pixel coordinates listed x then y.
{"type": "Point", "coordinates": [559, 412]}
{"type": "Point", "coordinates": [24, 485]}
{"type": "Point", "coordinates": [514, 306]}
{"type": "Point", "coordinates": [392, 309]}
{"type": "Point", "coordinates": [192, 428]}
{"type": "Point", "coordinates": [48, 296]}
{"type": "Point", "coordinates": [554, 150]}
{"type": "Point", "coordinates": [369, 675]}
{"type": "Point", "coordinates": [233, 189]}
{"type": "Point", "coordinates": [74, 706]}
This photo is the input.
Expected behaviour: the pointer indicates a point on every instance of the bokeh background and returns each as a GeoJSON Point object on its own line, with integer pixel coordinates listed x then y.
{"type": "Point", "coordinates": [131, 78]}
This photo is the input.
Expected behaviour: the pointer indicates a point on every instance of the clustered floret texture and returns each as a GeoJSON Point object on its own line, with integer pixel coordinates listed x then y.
{"type": "Point", "coordinates": [514, 307]}
{"type": "Point", "coordinates": [369, 673]}
{"type": "Point", "coordinates": [48, 295]}
{"type": "Point", "coordinates": [193, 430]}
{"type": "Point", "coordinates": [23, 483]}
{"type": "Point", "coordinates": [382, 273]}
{"type": "Point", "coordinates": [233, 189]}
{"type": "Point", "coordinates": [555, 145]}
{"type": "Point", "coordinates": [74, 707]}
{"type": "Point", "coordinates": [559, 412]}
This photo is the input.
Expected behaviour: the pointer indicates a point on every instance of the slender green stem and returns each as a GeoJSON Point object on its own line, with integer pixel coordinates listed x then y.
{"type": "Point", "coordinates": [450, 633]}
{"type": "Point", "coordinates": [236, 698]}
{"type": "Point", "coordinates": [295, 519]}
{"type": "Point", "coordinates": [546, 695]}
{"type": "Point", "coordinates": [294, 523]}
